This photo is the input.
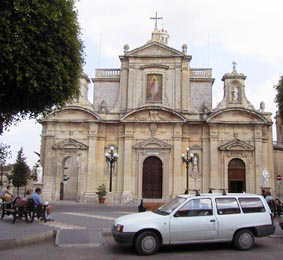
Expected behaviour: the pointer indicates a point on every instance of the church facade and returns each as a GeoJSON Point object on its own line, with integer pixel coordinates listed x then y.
{"type": "Point", "coordinates": [149, 111]}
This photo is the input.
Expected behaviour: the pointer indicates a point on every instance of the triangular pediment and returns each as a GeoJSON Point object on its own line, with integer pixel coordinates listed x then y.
{"type": "Point", "coordinates": [70, 144]}
{"type": "Point", "coordinates": [155, 49]}
{"type": "Point", "coordinates": [152, 143]}
{"type": "Point", "coordinates": [153, 114]}
{"type": "Point", "coordinates": [236, 145]}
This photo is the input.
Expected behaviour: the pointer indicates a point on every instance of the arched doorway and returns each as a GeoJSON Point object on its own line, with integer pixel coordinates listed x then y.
{"type": "Point", "coordinates": [69, 186]}
{"type": "Point", "coordinates": [237, 176]}
{"type": "Point", "coordinates": [152, 178]}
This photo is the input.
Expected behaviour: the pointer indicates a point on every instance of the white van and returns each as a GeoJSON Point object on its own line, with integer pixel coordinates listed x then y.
{"type": "Point", "coordinates": [197, 218]}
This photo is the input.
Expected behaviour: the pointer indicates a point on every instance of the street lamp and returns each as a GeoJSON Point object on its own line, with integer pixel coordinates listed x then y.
{"type": "Point", "coordinates": [111, 157]}
{"type": "Point", "coordinates": [187, 159]}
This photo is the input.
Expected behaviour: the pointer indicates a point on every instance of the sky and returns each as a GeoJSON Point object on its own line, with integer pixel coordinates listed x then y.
{"type": "Point", "coordinates": [217, 33]}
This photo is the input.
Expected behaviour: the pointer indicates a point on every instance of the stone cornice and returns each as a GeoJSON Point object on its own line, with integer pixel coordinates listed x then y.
{"type": "Point", "coordinates": [159, 66]}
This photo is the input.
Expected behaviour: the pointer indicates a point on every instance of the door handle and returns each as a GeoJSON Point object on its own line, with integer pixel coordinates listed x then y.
{"type": "Point", "coordinates": [212, 220]}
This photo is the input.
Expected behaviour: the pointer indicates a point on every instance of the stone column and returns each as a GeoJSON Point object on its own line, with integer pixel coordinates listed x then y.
{"type": "Point", "coordinates": [259, 160]}
{"type": "Point", "coordinates": [213, 151]}
{"type": "Point", "coordinates": [90, 182]}
{"type": "Point", "coordinates": [185, 87]}
{"type": "Point", "coordinates": [123, 96]}
{"type": "Point", "coordinates": [178, 77]}
{"type": "Point", "coordinates": [177, 177]}
{"type": "Point", "coordinates": [127, 160]}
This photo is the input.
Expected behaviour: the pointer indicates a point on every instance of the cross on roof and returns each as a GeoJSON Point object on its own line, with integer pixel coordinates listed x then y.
{"type": "Point", "coordinates": [156, 18]}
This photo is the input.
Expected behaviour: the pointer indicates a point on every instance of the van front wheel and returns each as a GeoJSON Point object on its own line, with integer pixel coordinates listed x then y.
{"type": "Point", "coordinates": [244, 239]}
{"type": "Point", "coordinates": [147, 243]}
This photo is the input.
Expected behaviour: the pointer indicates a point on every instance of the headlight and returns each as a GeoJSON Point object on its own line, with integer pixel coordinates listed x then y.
{"type": "Point", "coordinates": [119, 228]}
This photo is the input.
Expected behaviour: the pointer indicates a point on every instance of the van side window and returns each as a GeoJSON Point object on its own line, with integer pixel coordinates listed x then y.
{"type": "Point", "coordinates": [251, 205]}
{"type": "Point", "coordinates": [195, 207]}
{"type": "Point", "coordinates": [227, 206]}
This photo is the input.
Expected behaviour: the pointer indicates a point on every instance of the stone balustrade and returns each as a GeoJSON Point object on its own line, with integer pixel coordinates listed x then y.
{"type": "Point", "coordinates": [107, 73]}
{"type": "Point", "coordinates": [201, 73]}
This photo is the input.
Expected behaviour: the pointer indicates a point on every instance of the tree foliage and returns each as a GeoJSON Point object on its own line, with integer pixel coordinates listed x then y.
{"type": "Point", "coordinates": [4, 153]}
{"type": "Point", "coordinates": [21, 171]}
{"type": "Point", "coordinates": [279, 96]}
{"type": "Point", "coordinates": [40, 59]}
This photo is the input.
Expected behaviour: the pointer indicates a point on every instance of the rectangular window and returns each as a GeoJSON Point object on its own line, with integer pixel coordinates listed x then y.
{"type": "Point", "coordinates": [196, 208]}
{"type": "Point", "coordinates": [227, 206]}
{"type": "Point", "coordinates": [251, 205]}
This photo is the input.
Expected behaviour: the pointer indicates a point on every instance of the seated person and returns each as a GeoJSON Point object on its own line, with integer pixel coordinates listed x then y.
{"type": "Point", "coordinates": [38, 201]}
{"type": "Point", "coordinates": [7, 194]}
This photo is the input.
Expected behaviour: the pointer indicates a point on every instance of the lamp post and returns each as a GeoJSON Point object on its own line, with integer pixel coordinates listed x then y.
{"type": "Point", "coordinates": [187, 159]}
{"type": "Point", "coordinates": [111, 157]}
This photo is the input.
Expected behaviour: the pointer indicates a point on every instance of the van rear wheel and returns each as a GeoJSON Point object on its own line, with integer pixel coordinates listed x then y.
{"type": "Point", "coordinates": [147, 243]}
{"type": "Point", "coordinates": [244, 239]}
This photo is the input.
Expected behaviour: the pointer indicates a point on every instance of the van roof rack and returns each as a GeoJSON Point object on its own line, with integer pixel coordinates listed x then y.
{"type": "Point", "coordinates": [212, 189]}
{"type": "Point", "coordinates": [196, 192]}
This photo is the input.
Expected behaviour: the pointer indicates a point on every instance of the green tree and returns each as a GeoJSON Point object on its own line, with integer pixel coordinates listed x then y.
{"type": "Point", "coordinates": [21, 171]}
{"type": "Point", "coordinates": [41, 57]}
{"type": "Point", "coordinates": [4, 154]}
{"type": "Point", "coordinates": [279, 96]}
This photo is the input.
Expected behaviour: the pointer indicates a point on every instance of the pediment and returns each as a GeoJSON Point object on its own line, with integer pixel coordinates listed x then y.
{"type": "Point", "coordinates": [72, 113]}
{"type": "Point", "coordinates": [70, 144]}
{"type": "Point", "coordinates": [236, 145]}
{"type": "Point", "coordinates": [152, 143]}
{"type": "Point", "coordinates": [236, 115]}
{"type": "Point", "coordinates": [155, 49]}
{"type": "Point", "coordinates": [156, 115]}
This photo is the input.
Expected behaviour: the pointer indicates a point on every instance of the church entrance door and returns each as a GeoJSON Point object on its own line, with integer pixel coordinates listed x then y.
{"type": "Point", "coordinates": [69, 186]}
{"type": "Point", "coordinates": [237, 176]}
{"type": "Point", "coordinates": [152, 178]}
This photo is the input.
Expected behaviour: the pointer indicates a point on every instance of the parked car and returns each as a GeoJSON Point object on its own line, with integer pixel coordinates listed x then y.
{"type": "Point", "coordinates": [198, 218]}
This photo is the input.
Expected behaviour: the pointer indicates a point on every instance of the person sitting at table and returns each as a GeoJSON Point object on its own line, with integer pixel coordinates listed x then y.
{"type": "Point", "coordinates": [38, 201]}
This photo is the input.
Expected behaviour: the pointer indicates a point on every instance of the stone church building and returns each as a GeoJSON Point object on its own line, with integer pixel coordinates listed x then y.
{"type": "Point", "coordinates": [149, 111]}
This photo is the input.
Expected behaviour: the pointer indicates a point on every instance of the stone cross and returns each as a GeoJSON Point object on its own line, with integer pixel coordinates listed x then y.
{"type": "Point", "coordinates": [234, 66]}
{"type": "Point", "coordinates": [156, 18]}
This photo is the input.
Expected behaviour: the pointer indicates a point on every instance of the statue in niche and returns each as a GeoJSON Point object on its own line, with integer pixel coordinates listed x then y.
{"type": "Point", "coordinates": [235, 94]}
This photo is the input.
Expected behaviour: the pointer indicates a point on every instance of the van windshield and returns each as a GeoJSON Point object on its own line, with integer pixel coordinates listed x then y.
{"type": "Point", "coordinates": [167, 208]}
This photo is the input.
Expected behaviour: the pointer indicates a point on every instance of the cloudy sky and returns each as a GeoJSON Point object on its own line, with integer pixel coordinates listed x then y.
{"type": "Point", "coordinates": [217, 32]}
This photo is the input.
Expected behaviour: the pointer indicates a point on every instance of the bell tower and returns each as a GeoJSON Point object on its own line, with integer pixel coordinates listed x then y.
{"type": "Point", "coordinates": [234, 91]}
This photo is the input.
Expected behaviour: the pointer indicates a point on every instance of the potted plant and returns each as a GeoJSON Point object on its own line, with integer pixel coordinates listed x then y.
{"type": "Point", "coordinates": [101, 192]}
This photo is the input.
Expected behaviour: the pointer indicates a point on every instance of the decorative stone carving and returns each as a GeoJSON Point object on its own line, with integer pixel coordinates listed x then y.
{"type": "Point", "coordinates": [152, 143]}
{"type": "Point", "coordinates": [69, 144]}
{"type": "Point", "coordinates": [152, 129]}
{"type": "Point", "coordinates": [265, 178]}
{"type": "Point", "coordinates": [261, 107]}
{"type": "Point", "coordinates": [126, 48]}
{"type": "Point", "coordinates": [153, 115]}
{"type": "Point", "coordinates": [184, 48]}
{"type": "Point", "coordinates": [236, 145]}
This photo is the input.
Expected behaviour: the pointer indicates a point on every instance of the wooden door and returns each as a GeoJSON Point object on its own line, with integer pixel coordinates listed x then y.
{"type": "Point", "coordinates": [237, 176]}
{"type": "Point", "coordinates": [152, 178]}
